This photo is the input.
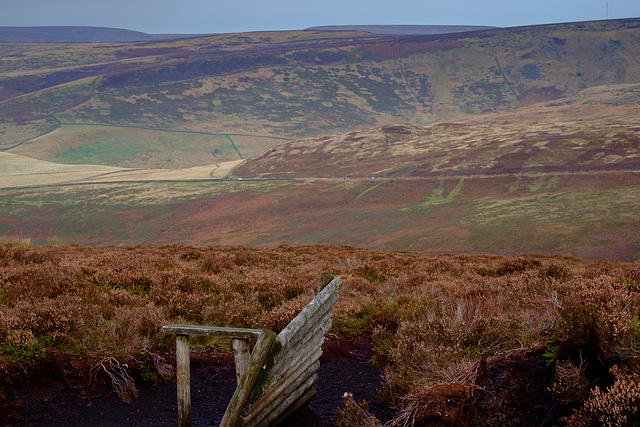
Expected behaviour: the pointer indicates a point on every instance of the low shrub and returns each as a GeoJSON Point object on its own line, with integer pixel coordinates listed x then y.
{"type": "Point", "coordinates": [355, 414]}
{"type": "Point", "coordinates": [434, 318]}
{"type": "Point", "coordinates": [602, 312]}
{"type": "Point", "coordinates": [441, 404]}
{"type": "Point", "coordinates": [619, 405]}
{"type": "Point", "coordinates": [571, 384]}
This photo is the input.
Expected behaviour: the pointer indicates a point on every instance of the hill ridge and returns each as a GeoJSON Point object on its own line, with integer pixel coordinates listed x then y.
{"type": "Point", "coordinates": [70, 34]}
{"type": "Point", "coordinates": [404, 29]}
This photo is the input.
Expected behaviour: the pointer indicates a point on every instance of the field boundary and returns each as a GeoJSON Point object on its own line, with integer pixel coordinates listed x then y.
{"type": "Point", "coordinates": [60, 124]}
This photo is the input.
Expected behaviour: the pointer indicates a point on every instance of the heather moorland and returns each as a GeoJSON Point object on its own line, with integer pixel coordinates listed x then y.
{"type": "Point", "coordinates": [477, 192]}
{"type": "Point", "coordinates": [447, 330]}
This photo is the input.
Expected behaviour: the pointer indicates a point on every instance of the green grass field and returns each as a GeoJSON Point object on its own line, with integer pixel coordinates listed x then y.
{"type": "Point", "coordinates": [129, 147]}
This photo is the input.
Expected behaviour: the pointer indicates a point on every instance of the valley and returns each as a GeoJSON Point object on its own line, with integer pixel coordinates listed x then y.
{"type": "Point", "coordinates": [491, 141]}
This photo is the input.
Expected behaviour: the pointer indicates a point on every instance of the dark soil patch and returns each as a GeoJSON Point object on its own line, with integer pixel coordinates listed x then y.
{"type": "Point", "coordinates": [511, 390]}
{"type": "Point", "coordinates": [52, 398]}
{"type": "Point", "coordinates": [516, 392]}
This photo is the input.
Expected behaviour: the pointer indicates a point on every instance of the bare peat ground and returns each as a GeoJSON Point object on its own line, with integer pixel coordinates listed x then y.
{"type": "Point", "coordinates": [513, 390]}
{"type": "Point", "coordinates": [48, 399]}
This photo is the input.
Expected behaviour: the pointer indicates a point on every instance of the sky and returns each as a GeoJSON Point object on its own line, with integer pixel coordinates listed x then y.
{"type": "Point", "coordinates": [218, 16]}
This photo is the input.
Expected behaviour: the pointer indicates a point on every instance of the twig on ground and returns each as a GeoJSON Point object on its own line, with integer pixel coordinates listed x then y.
{"type": "Point", "coordinates": [122, 382]}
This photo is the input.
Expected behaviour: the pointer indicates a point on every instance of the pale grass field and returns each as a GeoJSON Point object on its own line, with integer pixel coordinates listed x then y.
{"type": "Point", "coordinates": [21, 171]}
{"type": "Point", "coordinates": [218, 171]}
{"type": "Point", "coordinates": [14, 134]}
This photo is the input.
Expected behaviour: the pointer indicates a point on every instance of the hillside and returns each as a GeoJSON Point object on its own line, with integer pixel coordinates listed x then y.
{"type": "Point", "coordinates": [543, 138]}
{"type": "Point", "coordinates": [499, 141]}
{"type": "Point", "coordinates": [108, 35]}
{"type": "Point", "coordinates": [69, 35]}
{"type": "Point", "coordinates": [460, 339]}
{"type": "Point", "coordinates": [559, 177]}
{"type": "Point", "coordinates": [404, 29]}
{"type": "Point", "coordinates": [309, 83]}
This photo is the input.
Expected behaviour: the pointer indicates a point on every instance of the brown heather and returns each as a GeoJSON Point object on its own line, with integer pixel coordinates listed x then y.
{"type": "Point", "coordinates": [355, 414]}
{"type": "Point", "coordinates": [617, 406]}
{"type": "Point", "coordinates": [436, 320]}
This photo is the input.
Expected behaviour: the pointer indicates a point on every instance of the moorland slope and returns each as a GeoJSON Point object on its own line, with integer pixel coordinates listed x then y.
{"type": "Point", "coordinates": [305, 83]}
{"type": "Point", "coordinates": [460, 339]}
{"type": "Point", "coordinates": [69, 35]}
{"type": "Point", "coordinates": [532, 143]}
{"type": "Point", "coordinates": [559, 177]}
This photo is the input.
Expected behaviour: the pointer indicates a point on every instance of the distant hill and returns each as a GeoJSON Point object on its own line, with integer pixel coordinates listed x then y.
{"type": "Point", "coordinates": [498, 141]}
{"type": "Point", "coordinates": [70, 35]}
{"type": "Point", "coordinates": [404, 29]}
{"type": "Point", "coordinates": [476, 145]}
{"type": "Point", "coordinates": [301, 84]}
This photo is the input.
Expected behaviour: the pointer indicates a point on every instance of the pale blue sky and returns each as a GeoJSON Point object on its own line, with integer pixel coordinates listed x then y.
{"type": "Point", "coordinates": [217, 16]}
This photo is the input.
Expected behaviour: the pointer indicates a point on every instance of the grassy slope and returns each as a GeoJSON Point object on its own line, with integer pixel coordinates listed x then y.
{"type": "Point", "coordinates": [593, 219]}
{"type": "Point", "coordinates": [315, 91]}
{"type": "Point", "coordinates": [129, 147]}
{"type": "Point", "coordinates": [499, 182]}
{"type": "Point", "coordinates": [297, 84]}
{"type": "Point", "coordinates": [543, 183]}
{"type": "Point", "coordinates": [20, 172]}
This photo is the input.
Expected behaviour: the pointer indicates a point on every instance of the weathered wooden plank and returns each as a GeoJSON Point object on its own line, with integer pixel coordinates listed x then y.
{"type": "Point", "coordinates": [288, 405]}
{"type": "Point", "coordinates": [248, 379]}
{"type": "Point", "coordinates": [275, 407]}
{"type": "Point", "coordinates": [311, 357]}
{"type": "Point", "coordinates": [286, 377]}
{"type": "Point", "coordinates": [183, 380]}
{"type": "Point", "coordinates": [330, 292]}
{"type": "Point", "coordinates": [287, 361]}
{"type": "Point", "coordinates": [318, 326]}
{"type": "Point", "coordinates": [290, 360]}
{"type": "Point", "coordinates": [241, 355]}
{"type": "Point", "coordinates": [308, 318]}
{"type": "Point", "coordinates": [212, 331]}
{"type": "Point", "coordinates": [289, 353]}
{"type": "Point", "coordinates": [315, 322]}
{"type": "Point", "coordinates": [298, 361]}
{"type": "Point", "coordinates": [279, 392]}
{"type": "Point", "coordinates": [291, 408]}
{"type": "Point", "coordinates": [295, 352]}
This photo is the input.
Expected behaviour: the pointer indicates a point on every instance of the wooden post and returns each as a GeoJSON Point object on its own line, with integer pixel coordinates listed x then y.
{"type": "Point", "coordinates": [183, 380]}
{"type": "Point", "coordinates": [241, 355]}
{"type": "Point", "coordinates": [284, 365]}
{"type": "Point", "coordinates": [248, 380]}
{"type": "Point", "coordinates": [325, 279]}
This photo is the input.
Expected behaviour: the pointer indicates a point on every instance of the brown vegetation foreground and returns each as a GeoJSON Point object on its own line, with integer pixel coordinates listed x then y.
{"type": "Point", "coordinates": [458, 337]}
